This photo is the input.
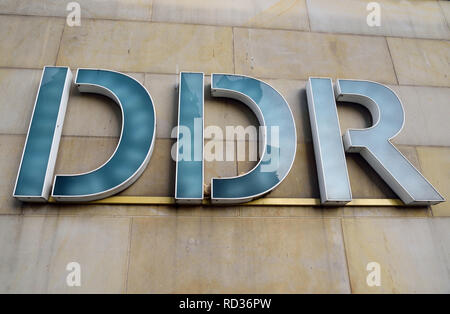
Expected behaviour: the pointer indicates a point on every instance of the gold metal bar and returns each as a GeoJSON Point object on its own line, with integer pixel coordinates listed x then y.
{"type": "Point", "coordinates": [284, 202]}
{"type": "Point", "coordinates": [376, 202]}
{"type": "Point", "coordinates": [267, 201]}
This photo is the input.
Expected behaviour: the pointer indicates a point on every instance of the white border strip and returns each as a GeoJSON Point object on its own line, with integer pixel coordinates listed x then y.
{"type": "Point", "coordinates": [183, 200]}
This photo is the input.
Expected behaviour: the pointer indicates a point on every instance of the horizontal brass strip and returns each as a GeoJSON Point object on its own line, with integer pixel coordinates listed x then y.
{"type": "Point", "coordinates": [265, 201]}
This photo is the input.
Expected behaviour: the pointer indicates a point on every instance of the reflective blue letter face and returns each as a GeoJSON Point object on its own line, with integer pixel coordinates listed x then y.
{"type": "Point", "coordinates": [373, 143]}
{"type": "Point", "coordinates": [272, 112]}
{"type": "Point", "coordinates": [135, 145]}
{"type": "Point", "coordinates": [328, 148]}
{"type": "Point", "coordinates": [189, 171]}
{"type": "Point", "coordinates": [41, 147]}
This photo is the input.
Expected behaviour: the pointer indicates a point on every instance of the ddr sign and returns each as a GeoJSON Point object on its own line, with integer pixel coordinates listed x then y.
{"type": "Point", "coordinates": [36, 181]}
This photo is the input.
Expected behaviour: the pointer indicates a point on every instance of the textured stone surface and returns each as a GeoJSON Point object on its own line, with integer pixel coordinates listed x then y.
{"type": "Point", "coordinates": [105, 210]}
{"type": "Point", "coordinates": [147, 47]}
{"type": "Point", "coordinates": [413, 253]}
{"type": "Point", "coordinates": [298, 55]}
{"type": "Point", "coordinates": [220, 255]}
{"type": "Point", "coordinates": [332, 211]}
{"type": "Point", "coordinates": [113, 9]}
{"type": "Point", "coordinates": [18, 88]}
{"type": "Point", "coordinates": [388, 211]}
{"type": "Point", "coordinates": [30, 42]}
{"type": "Point", "coordinates": [36, 250]}
{"type": "Point", "coordinates": [219, 166]}
{"type": "Point", "coordinates": [418, 19]}
{"type": "Point", "coordinates": [285, 14]}
{"type": "Point", "coordinates": [435, 163]}
{"type": "Point", "coordinates": [301, 180]}
{"type": "Point", "coordinates": [158, 178]}
{"type": "Point", "coordinates": [95, 152]}
{"type": "Point", "coordinates": [426, 113]}
{"type": "Point", "coordinates": [11, 147]}
{"type": "Point", "coordinates": [420, 61]}
{"type": "Point", "coordinates": [445, 5]}
{"type": "Point", "coordinates": [290, 211]}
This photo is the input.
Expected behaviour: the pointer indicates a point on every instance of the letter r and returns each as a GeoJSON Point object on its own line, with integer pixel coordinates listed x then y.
{"type": "Point", "coordinates": [374, 143]}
